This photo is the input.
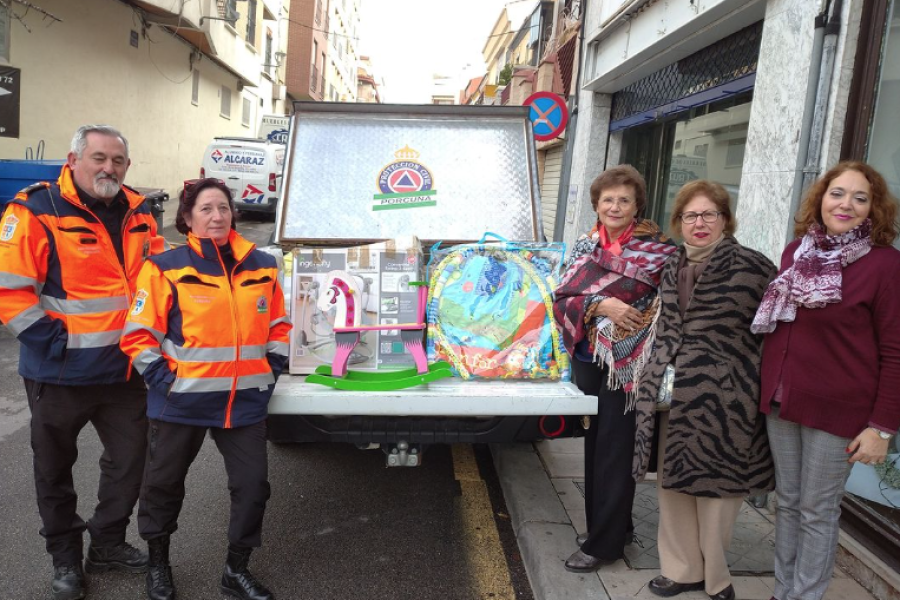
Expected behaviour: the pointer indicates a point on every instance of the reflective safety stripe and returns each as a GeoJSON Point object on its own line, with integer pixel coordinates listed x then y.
{"type": "Point", "coordinates": [84, 307]}
{"type": "Point", "coordinates": [186, 385]}
{"type": "Point", "coordinates": [253, 352]}
{"type": "Point", "coordinates": [25, 319]}
{"type": "Point", "coordinates": [147, 357]}
{"type": "Point", "coordinates": [221, 354]}
{"type": "Point", "coordinates": [131, 326]}
{"type": "Point", "coordinates": [11, 281]}
{"type": "Point", "coordinates": [255, 381]}
{"type": "Point", "coordinates": [182, 354]}
{"type": "Point", "coordinates": [99, 339]}
{"type": "Point", "coordinates": [279, 348]}
{"type": "Point", "coordinates": [279, 320]}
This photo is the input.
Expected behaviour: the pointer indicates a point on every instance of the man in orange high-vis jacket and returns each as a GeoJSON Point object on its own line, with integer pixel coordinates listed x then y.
{"type": "Point", "coordinates": [70, 252]}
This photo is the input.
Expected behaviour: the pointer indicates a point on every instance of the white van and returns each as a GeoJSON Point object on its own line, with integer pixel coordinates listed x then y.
{"type": "Point", "coordinates": [250, 168]}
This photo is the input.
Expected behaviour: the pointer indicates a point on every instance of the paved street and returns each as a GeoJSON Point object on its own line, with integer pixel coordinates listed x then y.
{"type": "Point", "coordinates": [339, 524]}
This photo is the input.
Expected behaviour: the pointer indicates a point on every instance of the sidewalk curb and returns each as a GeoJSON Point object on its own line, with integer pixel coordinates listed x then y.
{"type": "Point", "coordinates": [543, 530]}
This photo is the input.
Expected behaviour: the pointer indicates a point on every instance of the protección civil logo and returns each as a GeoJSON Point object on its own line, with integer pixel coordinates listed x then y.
{"type": "Point", "coordinates": [404, 183]}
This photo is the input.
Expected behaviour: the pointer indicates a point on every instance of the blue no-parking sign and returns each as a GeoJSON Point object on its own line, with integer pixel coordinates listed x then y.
{"type": "Point", "coordinates": [548, 115]}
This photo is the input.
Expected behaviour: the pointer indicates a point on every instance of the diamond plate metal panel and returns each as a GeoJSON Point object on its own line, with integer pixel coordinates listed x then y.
{"type": "Point", "coordinates": [339, 187]}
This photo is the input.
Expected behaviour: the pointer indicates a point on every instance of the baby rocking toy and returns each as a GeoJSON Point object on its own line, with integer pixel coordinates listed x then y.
{"type": "Point", "coordinates": [342, 292]}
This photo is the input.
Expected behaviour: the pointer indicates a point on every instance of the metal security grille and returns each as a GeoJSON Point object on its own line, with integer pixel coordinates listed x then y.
{"type": "Point", "coordinates": [727, 60]}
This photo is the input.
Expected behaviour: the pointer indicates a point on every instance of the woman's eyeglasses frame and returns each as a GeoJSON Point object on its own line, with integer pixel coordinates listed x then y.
{"type": "Point", "coordinates": [708, 216]}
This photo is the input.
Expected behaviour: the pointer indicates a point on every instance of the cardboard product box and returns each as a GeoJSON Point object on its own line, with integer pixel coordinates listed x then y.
{"type": "Point", "coordinates": [385, 270]}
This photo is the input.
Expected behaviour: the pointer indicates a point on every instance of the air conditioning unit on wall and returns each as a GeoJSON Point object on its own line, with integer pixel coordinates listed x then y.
{"type": "Point", "coordinates": [278, 92]}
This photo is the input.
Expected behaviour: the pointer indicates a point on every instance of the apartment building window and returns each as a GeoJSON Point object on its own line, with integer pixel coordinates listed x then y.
{"type": "Point", "coordinates": [251, 22]}
{"type": "Point", "coordinates": [231, 12]}
{"type": "Point", "coordinates": [271, 65]}
{"type": "Point", "coordinates": [318, 11]}
{"type": "Point", "coordinates": [246, 111]}
{"type": "Point", "coordinates": [195, 88]}
{"type": "Point", "coordinates": [313, 68]}
{"type": "Point", "coordinates": [225, 107]}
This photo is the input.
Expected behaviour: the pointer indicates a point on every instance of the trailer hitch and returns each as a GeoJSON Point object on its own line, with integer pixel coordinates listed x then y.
{"type": "Point", "coordinates": [402, 454]}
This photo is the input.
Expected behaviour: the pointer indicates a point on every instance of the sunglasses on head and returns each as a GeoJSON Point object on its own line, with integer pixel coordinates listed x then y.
{"type": "Point", "coordinates": [189, 183]}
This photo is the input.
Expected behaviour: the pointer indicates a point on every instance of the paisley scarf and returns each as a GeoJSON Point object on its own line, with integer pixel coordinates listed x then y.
{"type": "Point", "coordinates": [815, 278]}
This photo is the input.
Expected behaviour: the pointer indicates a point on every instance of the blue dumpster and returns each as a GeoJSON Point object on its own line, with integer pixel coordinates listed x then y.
{"type": "Point", "coordinates": [18, 174]}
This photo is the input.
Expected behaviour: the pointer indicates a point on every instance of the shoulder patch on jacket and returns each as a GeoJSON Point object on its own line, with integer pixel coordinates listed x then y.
{"type": "Point", "coordinates": [25, 192]}
{"type": "Point", "coordinates": [8, 227]}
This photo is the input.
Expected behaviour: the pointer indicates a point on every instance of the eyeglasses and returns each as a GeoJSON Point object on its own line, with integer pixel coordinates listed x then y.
{"type": "Point", "coordinates": [708, 216]}
{"type": "Point", "coordinates": [189, 183]}
{"type": "Point", "coordinates": [621, 202]}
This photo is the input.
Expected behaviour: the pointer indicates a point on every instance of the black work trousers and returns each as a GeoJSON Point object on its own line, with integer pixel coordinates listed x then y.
{"type": "Point", "coordinates": [58, 414]}
{"type": "Point", "coordinates": [173, 448]}
{"type": "Point", "coordinates": [608, 451]}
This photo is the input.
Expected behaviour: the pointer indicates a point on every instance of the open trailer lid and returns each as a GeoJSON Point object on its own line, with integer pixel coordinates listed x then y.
{"type": "Point", "coordinates": [374, 171]}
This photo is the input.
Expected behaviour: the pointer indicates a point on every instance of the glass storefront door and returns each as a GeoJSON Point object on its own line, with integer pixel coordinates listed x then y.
{"type": "Point", "coordinates": [705, 142]}
{"type": "Point", "coordinates": [883, 151]}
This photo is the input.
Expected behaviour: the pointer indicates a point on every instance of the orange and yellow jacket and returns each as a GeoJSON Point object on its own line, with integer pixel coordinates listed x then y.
{"type": "Point", "coordinates": [209, 344]}
{"type": "Point", "coordinates": [63, 292]}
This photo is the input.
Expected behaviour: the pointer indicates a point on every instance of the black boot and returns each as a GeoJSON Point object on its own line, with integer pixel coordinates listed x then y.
{"type": "Point", "coordinates": [68, 582]}
{"type": "Point", "coordinates": [237, 581]}
{"type": "Point", "coordinates": [121, 557]}
{"type": "Point", "coordinates": [159, 574]}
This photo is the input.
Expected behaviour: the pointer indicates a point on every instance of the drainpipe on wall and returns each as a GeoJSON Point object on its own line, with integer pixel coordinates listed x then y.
{"type": "Point", "coordinates": [565, 172]}
{"type": "Point", "coordinates": [815, 109]}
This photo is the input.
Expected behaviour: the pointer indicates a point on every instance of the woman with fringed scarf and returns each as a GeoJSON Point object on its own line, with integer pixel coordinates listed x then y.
{"type": "Point", "coordinates": [606, 308]}
{"type": "Point", "coordinates": [831, 365]}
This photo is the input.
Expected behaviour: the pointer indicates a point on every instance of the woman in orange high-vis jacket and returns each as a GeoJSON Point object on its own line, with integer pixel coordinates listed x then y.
{"type": "Point", "coordinates": [208, 331]}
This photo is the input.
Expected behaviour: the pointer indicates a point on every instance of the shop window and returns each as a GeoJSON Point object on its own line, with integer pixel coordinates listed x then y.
{"type": "Point", "coordinates": [705, 142]}
{"type": "Point", "coordinates": [883, 150]}
{"type": "Point", "coordinates": [871, 508]}
{"type": "Point", "coordinates": [734, 155]}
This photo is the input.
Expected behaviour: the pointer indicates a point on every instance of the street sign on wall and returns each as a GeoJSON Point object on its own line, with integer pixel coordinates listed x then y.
{"type": "Point", "coordinates": [548, 114]}
{"type": "Point", "coordinates": [9, 102]}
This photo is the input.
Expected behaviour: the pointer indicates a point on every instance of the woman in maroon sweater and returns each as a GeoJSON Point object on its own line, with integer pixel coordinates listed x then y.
{"type": "Point", "coordinates": [831, 364]}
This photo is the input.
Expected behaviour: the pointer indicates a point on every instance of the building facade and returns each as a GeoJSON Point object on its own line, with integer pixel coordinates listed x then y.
{"type": "Point", "coordinates": [761, 96]}
{"type": "Point", "coordinates": [343, 36]}
{"type": "Point", "coordinates": [367, 82]}
{"type": "Point", "coordinates": [307, 50]}
{"type": "Point", "coordinates": [171, 81]}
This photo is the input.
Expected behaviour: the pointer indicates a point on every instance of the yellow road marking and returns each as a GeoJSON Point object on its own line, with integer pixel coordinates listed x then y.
{"type": "Point", "coordinates": [482, 540]}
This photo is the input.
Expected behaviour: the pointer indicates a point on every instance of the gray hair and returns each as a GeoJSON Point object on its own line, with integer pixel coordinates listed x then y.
{"type": "Point", "coordinates": [79, 141]}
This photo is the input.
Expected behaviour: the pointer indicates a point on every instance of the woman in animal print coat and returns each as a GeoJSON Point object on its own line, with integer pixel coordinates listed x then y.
{"type": "Point", "coordinates": [713, 450]}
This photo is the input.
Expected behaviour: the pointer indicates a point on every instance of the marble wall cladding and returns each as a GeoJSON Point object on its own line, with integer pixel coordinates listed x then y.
{"type": "Point", "coordinates": [764, 213]}
{"type": "Point", "coordinates": [588, 160]}
{"type": "Point", "coordinates": [614, 150]}
{"type": "Point", "coordinates": [778, 97]}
